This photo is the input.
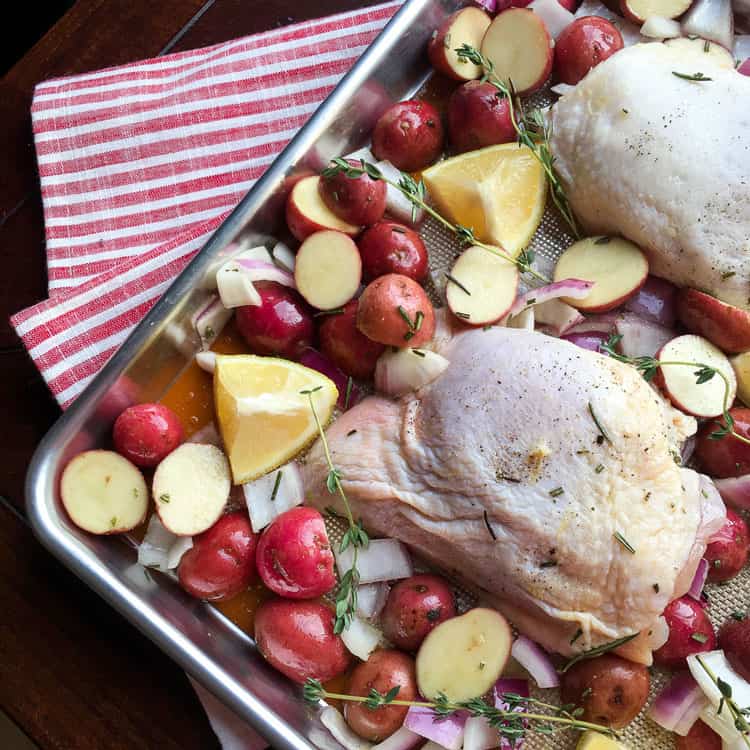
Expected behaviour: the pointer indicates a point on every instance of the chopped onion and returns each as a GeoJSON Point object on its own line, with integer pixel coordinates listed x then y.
{"type": "Point", "coordinates": [561, 318]}
{"type": "Point", "coordinates": [711, 19]}
{"type": "Point", "coordinates": [515, 686]}
{"type": "Point", "coordinates": [407, 370]}
{"type": "Point", "coordinates": [396, 203]}
{"type": "Point", "coordinates": [592, 341]}
{"type": "Point", "coordinates": [641, 338]}
{"type": "Point", "coordinates": [447, 732]}
{"type": "Point", "coordinates": [525, 319]}
{"type": "Point", "coordinates": [176, 334]}
{"type": "Point", "coordinates": [235, 288]}
{"type": "Point", "coordinates": [655, 301]}
{"type": "Point", "coordinates": [371, 598]}
{"type": "Point", "coordinates": [687, 450]}
{"type": "Point", "coordinates": [562, 88]}
{"type": "Point", "coordinates": [735, 491]}
{"type": "Point", "coordinates": [283, 256]}
{"type": "Point", "coordinates": [259, 270]}
{"type": "Point", "coordinates": [177, 550]}
{"type": "Point", "coordinates": [232, 252]}
{"type": "Point", "coordinates": [478, 734]}
{"type": "Point", "coordinates": [208, 435]}
{"type": "Point", "coordinates": [206, 361]}
{"type": "Point", "coordinates": [576, 288]}
{"type": "Point", "coordinates": [679, 703]}
{"type": "Point", "coordinates": [361, 638]}
{"type": "Point", "coordinates": [658, 27]}
{"type": "Point", "coordinates": [381, 560]}
{"type": "Point", "coordinates": [273, 494]}
{"type": "Point", "coordinates": [349, 393]}
{"type": "Point", "coordinates": [555, 17]}
{"type": "Point", "coordinates": [604, 323]}
{"type": "Point", "coordinates": [210, 319]}
{"type": "Point", "coordinates": [401, 739]}
{"type": "Point", "coordinates": [713, 510]}
{"type": "Point", "coordinates": [361, 153]}
{"type": "Point", "coordinates": [658, 633]}
{"type": "Point", "coordinates": [160, 548]}
{"type": "Point", "coordinates": [335, 723]}
{"type": "Point", "coordinates": [535, 661]}
{"type": "Point", "coordinates": [744, 68]}
{"type": "Point", "coordinates": [490, 6]}
{"type": "Point", "coordinates": [699, 580]}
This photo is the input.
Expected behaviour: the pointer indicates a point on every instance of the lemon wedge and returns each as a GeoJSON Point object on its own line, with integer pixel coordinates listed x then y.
{"type": "Point", "coordinates": [263, 416]}
{"type": "Point", "coordinates": [594, 741]}
{"type": "Point", "coordinates": [498, 191]}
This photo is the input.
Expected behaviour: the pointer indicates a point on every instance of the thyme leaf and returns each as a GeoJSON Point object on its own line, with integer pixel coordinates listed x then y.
{"type": "Point", "coordinates": [691, 76]}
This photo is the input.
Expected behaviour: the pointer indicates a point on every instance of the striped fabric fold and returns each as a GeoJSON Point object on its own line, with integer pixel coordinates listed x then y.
{"type": "Point", "coordinates": [139, 164]}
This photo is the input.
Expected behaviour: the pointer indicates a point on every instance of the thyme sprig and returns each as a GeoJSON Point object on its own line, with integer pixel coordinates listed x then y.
{"type": "Point", "coordinates": [415, 192]}
{"type": "Point", "coordinates": [532, 131]}
{"type": "Point", "coordinates": [355, 536]}
{"type": "Point", "coordinates": [512, 722]}
{"type": "Point", "coordinates": [691, 76]}
{"type": "Point", "coordinates": [598, 651]}
{"type": "Point", "coordinates": [648, 367]}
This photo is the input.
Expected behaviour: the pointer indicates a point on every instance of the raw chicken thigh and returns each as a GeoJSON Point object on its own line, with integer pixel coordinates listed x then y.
{"type": "Point", "coordinates": [665, 162]}
{"type": "Point", "coordinates": [528, 470]}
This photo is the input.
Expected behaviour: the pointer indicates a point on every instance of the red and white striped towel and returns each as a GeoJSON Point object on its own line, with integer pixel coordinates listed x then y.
{"type": "Point", "coordinates": [139, 164]}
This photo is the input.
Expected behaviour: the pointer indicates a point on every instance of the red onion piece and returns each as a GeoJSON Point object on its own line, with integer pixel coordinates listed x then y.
{"type": "Point", "coordinates": [604, 323]}
{"type": "Point", "coordinates": [641, 337]}
{"type": "Point", "coordinates": [559, 317]}
{"type": "Point", "coordinates": [535, 661]}
{"type": "Point", "coordinates": [744, 68]}
{"type": "Point", "coordinates": [591, 341]}
{"type": "Point", "coordinates": [260, 270]}
{"type": "Point", "coordinates": [516, 686]}
{"type": "Point", "coordinates": [316, 361]}
{"type": "Point", "coordinates": [699, 580]}
{"type": "Point", "coordinates": [710, 19]}
{"type": "Point", "coordinates": [401, 739]}
{"type": "Point", "coordinates": [490, 6]}
{"type": "Point", "coordinates": [447, 732]}
{"type": "Point", "coordinates": [735, 491]}
{"type": "Point", "coordinates": [679, 703]}
{"type": "Point", "coordinates": [713, 510]}
{"type": "Point", "coordinates": [576, 288]}
{"type": "Point", "coordinates": [655, 301]}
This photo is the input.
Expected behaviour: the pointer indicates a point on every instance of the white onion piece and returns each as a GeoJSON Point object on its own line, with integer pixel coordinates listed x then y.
{"type": "Point", "coordinates": [177, 550]}
{"type": "Point", "coordinates": [361, 638]}
{"type": "Point", "coordinates": [691, 715]}
{"type": "Point", "coordinates": [371, 598]}
{"type": "Point", "coordinates": [576, 288]}
{"type": "Point", "coordinates": [658, 634]}
{"type": "Point", "coordinates": [525, 319]}
{"type": "Point", "coordinates": [259, 270]}
{"type": "Point", "coordinates": [361, 153]}
{"type": "Point", "coordinates": [641, 338]}
{"type": "Point", "coordinates": [183, 342]}
{"type": "Point", "coordinates": [401, 739]}
{"type": "Point", "coordinates": [407, 370]}
{"type": "Point", "coordinates": [381, 560]}
{"type": "Point", "coordinates": [555, 17]}
{"type": "Point", "coordinates": [676, 700]}
{"type": "Point", "coordinates": [206, 361]}
{"type": "Point", "coordinates": [478, 734]}
{"type": "Point", "coordinates": [631, 34]}
{"type": "Point", "coordinates": [535, 661]}
{"type": "Point", "coordinates": [735, 491]}
{"type": "Point", "coordinates": [699, 580]}
{"type": "Point", "coordinates": [561, 318]}
{"type": "Point", "coordinates": [562, 88]}
{"type": "Point", "coordinates": [396, 203]}
{"type": "Point", "coordinates": [235, 287]}
{"type": "Point", "coordinates": [447, 732]}
{"type": "Point", "coordinates": [658, 27]}
{"type": "Point", "coordinates": [231, 252]}
{"type": "Point", "coordinates": [283, 256]}
{"type": "Point", "coordinates": [262, 505]}
{"type": "Point", "coordinates": [742, 46]}
{"type": "Point", "coordinates": [713, 510]}
{"type": "Point", "coordinates": [207, 435]}
{"type": "Point", "coordinates": [160, 548]}
{"type": "Point", "coordinates": [210, 319]}
{"type": "Point", "coordinates": [711, 19]}
{"type": "Point", "coordinates": [335, 723]}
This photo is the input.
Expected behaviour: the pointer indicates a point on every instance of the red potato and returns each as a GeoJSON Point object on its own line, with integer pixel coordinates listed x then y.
{"type": "Point", "coordinates": [297, 639]}
{"type": "Point", "coordinates": [389, 247]}
{"type": "Point", "coordinates": [734, 640]}
{"type": "Point", "coordinates": [723, 325]}
{"type": "Point", "coordinates": [281, 325]}
{"type": "Point", "coordinates": [611, 690]}
{"type": "Point", "coordinates": [727, 553]}
{"type": "Point", "coordinates": [146, 433]}
{"type": "Point", "coordinates": [409, 135]}
{"type": "Point", "coordinates": [478, 117]}
{"type": "Point", "coordinates": [221, 562]}
{"type": "Point", "coordinates": [384, 670]}
{"type": "Point", "coordinates": [349, 349]}
{"type": "Point", "coordinates": [356, 200]}
{"type": "Point", "coordinates": [728, 456]}
{"type": "Point", "coordinates": [690, 632]}
{"type": "Point", "coordinates": [414, 607]}
{"type": "Point", "coordinates": [394, 310]}
{"type": "Point", "coordinates": [294, 556]}
{"type": "Point", "coordinates": [583, 45]}
{"type": "Point", "coordinates": [466, 26]}
{"type": "Point", "coordinates": [700, 737]}
{"type": "Point", "coordinates": [307, 213]}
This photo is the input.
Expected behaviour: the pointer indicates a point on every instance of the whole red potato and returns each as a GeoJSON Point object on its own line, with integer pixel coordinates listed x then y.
{"type": "Point", "coordinates": [583, 45]}
{"type": "Point", "coordinates": [389, 247]}
{"type": "Point", "coordinates": [700, 737]}
{"type": "Point", "coordinates": [349, 349]}
{"type": "Point", "coordinates": [294, 556]}
{"type": "Point", "coordinates": [478, 116]}
{"type": "Point", "coordinates": [221, 562]}
{"type": "Point", "coordinates": [297, 638]}
{"type": "Point", "coordinates": [690, 632]}
{"type": "Point", "coordinates": [727, 456]}
{"type": "Point", "coordinates": [727, 553]}
{"type": "Point", "coordinates": [384, 670]}
{"type": "Point", "coordinates": [357, 200]}
{"type": "Point", "coordinates": [409, 135]}
{"type": "Point", "coordinates": [414, 607]}
{"type": "Point", "coordinates": [281, 325]}
{"type": "Point", "coordinates": [147, 433]}
{"type": "Point", "coordinates": [734, 640]}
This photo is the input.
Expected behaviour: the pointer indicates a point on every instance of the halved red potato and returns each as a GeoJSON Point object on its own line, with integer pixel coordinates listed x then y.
{"type": "Point", "coordinates": [639, 11]}
{"type": "Point", "coordinates": [617, 267]}
{"type": "Point", "coordinates": [521, 49]}
{"type": "Point", "coordinates": [724, 325]}
{"type": "Point", "coordinates": [466, 26]}
{"type": "Point", "coordinates": [306, 211]}
{"type": "Point", "coordinates": [680, 382]}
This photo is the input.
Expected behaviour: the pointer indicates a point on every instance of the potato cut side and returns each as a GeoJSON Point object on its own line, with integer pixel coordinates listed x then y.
{"type": "Point", "coordinates": [521, 49]}
{"type": "Point", "coordinates": [463, 657]}
{"type": "Point", "coordinates": [680, 384]}
{"type": "Point", "coordinates": [741, 367]}
{"type": "Point", "coordinates": [328, 269]}
{"type": "Point", "coordinates": [308, 208]}
{"type": "Point", "coordinates": [482, 287]}
{"type": "Point", "coordinates": [467, 26]}
{"type": "Point", "coordinates": [617, 267]}
{"type": "Point", "coordinates": [641, 10]}
{"type": "Point", "coordinates": [704, 50]}
{"type": "Point", "coordinates": [191, 488]}
{"type": "Point", "coordinates": [104, 493]}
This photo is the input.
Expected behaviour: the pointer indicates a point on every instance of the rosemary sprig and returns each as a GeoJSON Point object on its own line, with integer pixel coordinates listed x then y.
{"type": "Point", "coordinates": [356, 536]}
{"type": "Point", "coordinates": [624, 542]}
{"type": "Point", "coordinates": [276, 485]}
{"type": "Point", "coordinates": [648, 367]}
{"type": "Point", "coordinates": [602, 432]}
{"type": "Point", "coordinates": [512, 722]}
{"type": "Point", "coordinates": [598, 651]}
{"type": "Point", "coordinates": [532, 131]}
{"type": "Point", "coordinates": [415, 192]}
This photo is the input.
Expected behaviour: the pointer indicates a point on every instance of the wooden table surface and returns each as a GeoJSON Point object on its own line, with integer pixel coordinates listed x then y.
{"type": "Point", "coordinates": [73, 674]}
